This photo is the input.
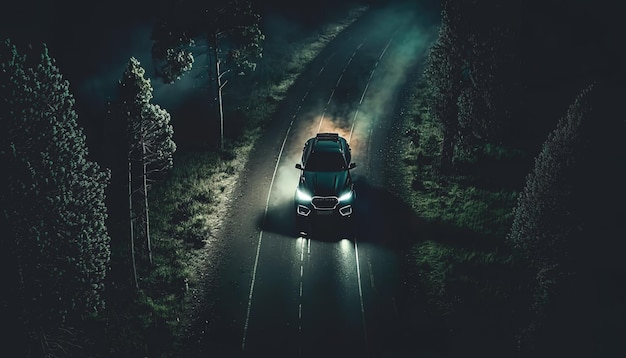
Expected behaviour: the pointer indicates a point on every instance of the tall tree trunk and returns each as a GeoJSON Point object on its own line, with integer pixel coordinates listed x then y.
{"type": "Point", "coordinates": [219, 85]}
{"type": "Point", "coordinates": [132, 221]}
{"type": "Point", "coordinates": [219, 97]}
{"type": "Point", "coordinates": [145, 198]}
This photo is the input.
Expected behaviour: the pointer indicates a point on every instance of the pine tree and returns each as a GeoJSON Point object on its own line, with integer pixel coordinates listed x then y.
{"type": "Point", "coordinates": [150, 141]}
{"type": "Point", "coordinates": [542, 217]}
{"type": "Point", "coordinates": [230, 30]}
{"type": "Point", "coordinates": [547, 221]}
{"type": "Point", "coordinates": [52, 198]}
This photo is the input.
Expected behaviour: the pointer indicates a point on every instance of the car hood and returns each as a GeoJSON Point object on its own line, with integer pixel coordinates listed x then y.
{"type": "Point", "coordinates": [325, 183]}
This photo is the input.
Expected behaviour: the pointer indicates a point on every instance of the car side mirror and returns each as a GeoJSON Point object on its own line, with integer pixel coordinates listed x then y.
{"type": "Point", "coordinates": [352, 166]}
{"type": "Point", "coordinates": [298, 166]}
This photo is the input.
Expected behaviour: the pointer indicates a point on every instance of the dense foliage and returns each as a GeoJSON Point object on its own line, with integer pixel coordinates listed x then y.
{"type": "Point", "coordinates": [545, 223]}
{"type": "Point", "coordinates": [473, 73]}
{"type": "Point", "coordinates": [563, 274]}
{"type": "Point", "coordinates": [150, 133]}
{"type": "Point", "coordinates": [564, 229]}
{"type": "Point", "coordinates": [149, 149]}
{"type": "Point", "coordinates": [543, 220]}
{"type": "Point", "coordinates": [55, 246]}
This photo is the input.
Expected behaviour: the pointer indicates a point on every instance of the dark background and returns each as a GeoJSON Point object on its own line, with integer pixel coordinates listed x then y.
{"type": "Point", "coordinates": [564, 43]}
{"type": "Point", "coordinates": [93, 41]}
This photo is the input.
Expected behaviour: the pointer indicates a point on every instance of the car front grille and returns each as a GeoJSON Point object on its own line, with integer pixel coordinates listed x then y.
{"type": "Point", "coordinates": [325, 202]}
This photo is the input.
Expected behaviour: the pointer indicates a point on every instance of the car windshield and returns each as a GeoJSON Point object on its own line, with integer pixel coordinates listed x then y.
{"type": "Point", "coordinates": [325, 162]}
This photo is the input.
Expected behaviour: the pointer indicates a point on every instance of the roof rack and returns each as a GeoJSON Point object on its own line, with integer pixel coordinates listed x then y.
{"type": "Point", "coordinates": [327, 135]}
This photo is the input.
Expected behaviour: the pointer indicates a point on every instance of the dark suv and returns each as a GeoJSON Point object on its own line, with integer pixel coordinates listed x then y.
{"type": "Point", "coordinates": [325, 187]}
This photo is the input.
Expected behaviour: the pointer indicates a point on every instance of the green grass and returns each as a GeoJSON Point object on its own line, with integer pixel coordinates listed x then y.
{"type": "Point", "coordinates": [461, 200]}
{"type": "Point", "coordinates": [441, 261]}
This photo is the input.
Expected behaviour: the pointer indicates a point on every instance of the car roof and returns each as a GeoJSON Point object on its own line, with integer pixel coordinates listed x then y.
{"type": "Point", "coordinates": [326, 142]}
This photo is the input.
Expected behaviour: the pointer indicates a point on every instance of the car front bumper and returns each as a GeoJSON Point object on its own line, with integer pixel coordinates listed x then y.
{"type": "Point", "coordinates": [321, 206]}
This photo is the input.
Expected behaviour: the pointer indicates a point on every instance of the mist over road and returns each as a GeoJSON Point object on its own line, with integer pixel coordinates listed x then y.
{"type": "Point", "coordinates": [335, 292]}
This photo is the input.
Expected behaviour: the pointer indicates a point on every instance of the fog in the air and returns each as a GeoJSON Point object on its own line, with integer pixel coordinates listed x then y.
{"type": "Point", "coordinates": [93, 44]}
{"type": "Point", "coordinates": [356, 104]}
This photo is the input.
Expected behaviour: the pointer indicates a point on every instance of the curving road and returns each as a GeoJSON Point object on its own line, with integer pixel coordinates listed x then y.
{"type": "Point", "coordinates": [334, 293]}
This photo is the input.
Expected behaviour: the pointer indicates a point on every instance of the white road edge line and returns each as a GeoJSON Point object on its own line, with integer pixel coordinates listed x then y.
{"type": "Point", "coordinates": [267, 202]}
{"type": "Point", "coordinates": [258, 247]}
{"type": "Point", "coordinates": [356, 248]}
{"type": "Point", "coordinates": [302, 248]}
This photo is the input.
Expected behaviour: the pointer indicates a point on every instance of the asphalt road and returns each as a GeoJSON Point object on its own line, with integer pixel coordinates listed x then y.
{"type": "Point", "coordinates": [334, 292]}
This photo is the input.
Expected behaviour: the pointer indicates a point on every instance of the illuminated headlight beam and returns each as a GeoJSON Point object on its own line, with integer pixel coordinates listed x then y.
{"type": "Point", "coordinates": [347, 196]}
{"type": "Point", "coordinates": [302, 196]}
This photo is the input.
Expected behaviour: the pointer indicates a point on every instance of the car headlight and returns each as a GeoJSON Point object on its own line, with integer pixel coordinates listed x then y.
{"type": "Point", "coordinates": [347, 196]}
{"type": "Point", "coordinates": [303, 196]}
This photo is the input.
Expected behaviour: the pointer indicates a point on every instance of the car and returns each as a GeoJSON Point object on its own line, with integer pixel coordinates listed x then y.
{"type": "Point", "coordinates": [325, 187]}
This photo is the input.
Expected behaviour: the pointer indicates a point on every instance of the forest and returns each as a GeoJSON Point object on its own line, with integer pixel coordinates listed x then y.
{"type": "Point", "coordinates": [511, 159]}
